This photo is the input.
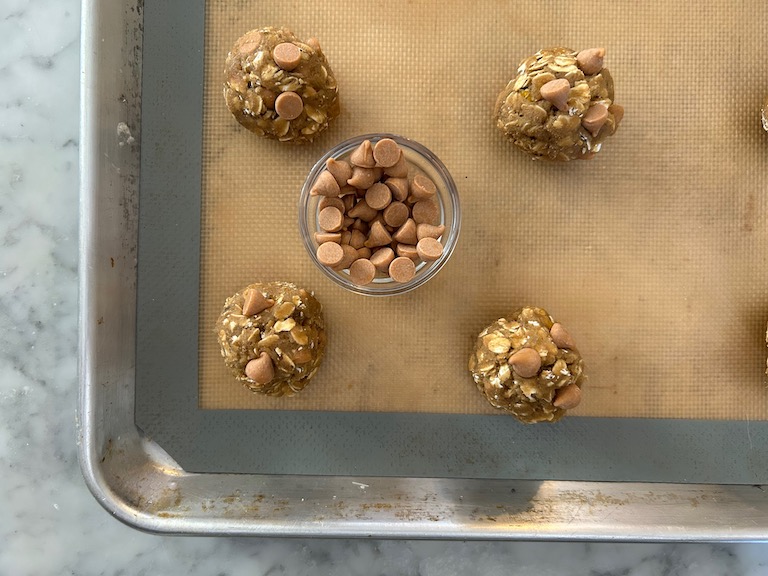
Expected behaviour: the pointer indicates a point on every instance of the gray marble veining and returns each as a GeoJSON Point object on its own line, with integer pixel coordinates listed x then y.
{"type": "Point", "coordinates": [49, 523]}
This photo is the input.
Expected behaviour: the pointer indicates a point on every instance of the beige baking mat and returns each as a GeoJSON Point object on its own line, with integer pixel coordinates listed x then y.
{"type": "Point", "coordinates": [653, 255]}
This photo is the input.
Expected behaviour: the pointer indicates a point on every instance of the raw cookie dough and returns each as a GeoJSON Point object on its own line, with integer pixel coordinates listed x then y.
{"type": "Point", "coordinates": [560, 105]}
{"type": "Point", "coordinates": [529, 366]}
{"type": "Point", "coordinates": [279, 87]}
{"type": "Point", "coordinates": [272, 337]}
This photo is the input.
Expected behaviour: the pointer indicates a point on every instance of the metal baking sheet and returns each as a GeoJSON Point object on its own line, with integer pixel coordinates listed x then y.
{"type": "Point", "coordinates": [299, 441]}
{"type": "Point", "coordinates": [145, 477]}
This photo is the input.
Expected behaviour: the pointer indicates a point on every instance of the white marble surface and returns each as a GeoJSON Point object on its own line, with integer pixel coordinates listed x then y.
{"type": "Point", "coordinates": [49, 523]}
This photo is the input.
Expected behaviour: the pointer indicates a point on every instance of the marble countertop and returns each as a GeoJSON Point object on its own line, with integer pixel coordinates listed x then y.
{"type": "Point", "coordinates": [49, 522]}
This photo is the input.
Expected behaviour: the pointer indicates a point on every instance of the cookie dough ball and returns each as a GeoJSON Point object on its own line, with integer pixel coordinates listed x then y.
{"type": "Point", "coordinates": [280, 87]}
{"type": "Point", "coordinates": [272, 337]}
{"type": "Point", "coordinates": [529, 366]}
{"type": "Point", "coordinates": [560, 105]}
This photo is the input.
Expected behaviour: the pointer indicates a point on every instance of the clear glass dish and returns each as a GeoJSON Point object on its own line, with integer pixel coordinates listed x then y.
{"type": "Point", "coordinates": [421, 160]}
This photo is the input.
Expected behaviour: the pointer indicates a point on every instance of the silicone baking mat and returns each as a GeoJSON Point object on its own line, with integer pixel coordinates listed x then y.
{"type": "Point", "coordinates": [653, 254]}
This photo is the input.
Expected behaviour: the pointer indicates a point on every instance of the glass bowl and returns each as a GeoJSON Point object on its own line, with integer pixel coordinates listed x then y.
{"type": "Point", "coordinates": [421, 160]}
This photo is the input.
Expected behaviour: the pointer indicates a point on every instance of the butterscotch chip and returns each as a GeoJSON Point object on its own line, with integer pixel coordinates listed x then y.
{"type": "Point", "coordinates": [382, 258]}
{"type": "Point", "coordinates": [327, 201]}
{"type": "Point", "coordinates": [330, 254]}
{"type": "Point", "coordinates": [429, 231]}
{"type": "Point", "coordinates": [346, 237]}
{"type": "Point", "coordinates": [340, 170]}
{"type": "Point", "coordinates": [591, 60]}
{"type": "Point", "coordinates": [595, 118]}
{"type": "Point", "coordinates": [323, 237]}
{"type": "Point", "coordinates": [406, 234]}
{"type": "Point", "coordinates": [380, 219]}
{"type": "Point", "coordinates": [400, 168]}
{"type": "Point", "coordinates": [426, 212]}
{"type": "Point", "coordinates": [364, 252]}
{"type": "Point", "coordinates": [568, 397]}
{"type": "Point", "coordinates": [362, 156]}
{"type": "Point", "coordinates": [255, 302]}
{"type": "Point", "coordinates": [526, 362]}
{"type": "Point", "coordinates": [422, 187]}
{"type": "Point", "coordinates": [363, 211]}
{"type": "Point", "coordinates": [378, 196]}
{"type": "Point", "coordinates": [350, 255]}
{"type": "Point", "coordinates": [362, 178]}
{"type": "Point", "coordinates": [362, 272]}
{"type": "Point", "coordinates": [349, 202]}
{"type": "Point", "coordinates": [407, 251]}
{"type": "Point", "coordinates": [357, 240]}
{"type": "Point", "coordinates": [289, 105]}
{"type": "Point", "coordinates": [279, 350]}
{"type": "Point", "coordinates": [287, 56]}
{"type": "Point", "coordinates": [314, 43]}
{"type": "Point", "coordinates": [386, 153]}
{"type": "Point", "coordinates": [268, 97]}
{"type": "Point", "coordinates": [348, 223]}
{"type": "Point", "coordinates": [556, 92]}
{"type": "Point", "coordinates": [325, 185]}
{"type": "Point", "coordinates": [429, 249]}
{"type": "Point", "coordinates": [360, 225]}
{"type": "Point", "coordinates": [248, 41]}
{"type": "Point", "coordinates": [561, 337]}
{"type": "Point", "coordinates": [260, 370]}
{"type": "Point", "coordinates": [330, 219]}
{"type": "Point", "coordinates": [518, 366]}
{"type": "Point", "coordinates": [402, 269]}
{"type": "Point", "coordinates": [378, 236]}
{"type": "Point", "coordinates": [618, 114]}
{"type": "Point", "coordinates": [396, 214]}
{"type": "Point", "coordinates": [399, 188]}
